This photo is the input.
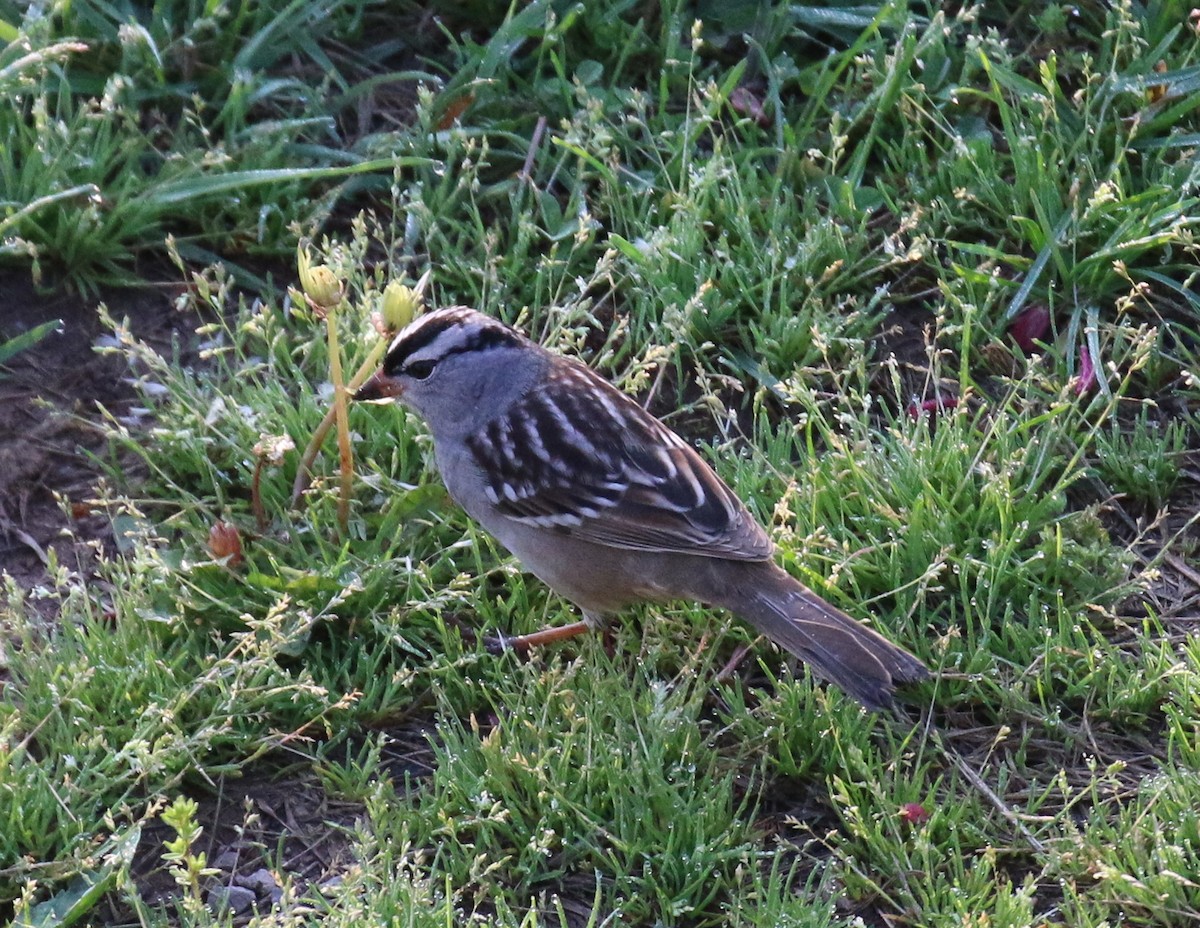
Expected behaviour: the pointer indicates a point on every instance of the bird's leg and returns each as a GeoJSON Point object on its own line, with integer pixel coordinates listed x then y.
{"type": "Point", "coordinates": [552, 635]}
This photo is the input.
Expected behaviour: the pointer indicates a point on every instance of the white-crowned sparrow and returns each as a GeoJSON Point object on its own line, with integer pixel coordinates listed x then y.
{"type": "Point", "coordinates": [602, 501]}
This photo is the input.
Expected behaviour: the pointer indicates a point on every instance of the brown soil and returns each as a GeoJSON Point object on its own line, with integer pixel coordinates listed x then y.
{"type": "Point", "coordinates": [271, 833]}
{"type": "Point", "coordinates": [51, 398]}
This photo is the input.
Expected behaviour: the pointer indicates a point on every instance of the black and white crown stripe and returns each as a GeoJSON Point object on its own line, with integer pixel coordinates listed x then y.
{"type": "Point", "coordinates": [444, 332]}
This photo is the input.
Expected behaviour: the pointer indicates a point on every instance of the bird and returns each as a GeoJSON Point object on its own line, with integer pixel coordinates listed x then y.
{"type": "Point", "coordinates": [604, 502]}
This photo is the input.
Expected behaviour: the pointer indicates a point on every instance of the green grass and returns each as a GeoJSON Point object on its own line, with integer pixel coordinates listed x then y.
{"type": "Point", "coordinates": [127, 122]}
{"type": "Point", "coordinates": [916, 182]}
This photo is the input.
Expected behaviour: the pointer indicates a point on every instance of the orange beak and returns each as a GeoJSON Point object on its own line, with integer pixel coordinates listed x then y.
{"type": "Point", "coordinates": [380, 387]}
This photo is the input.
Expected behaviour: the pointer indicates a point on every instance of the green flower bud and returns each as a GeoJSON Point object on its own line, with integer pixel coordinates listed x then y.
{"type": "Point", "coordinates": [400, 305]}
{"type": "Point", "coordinates": [321, 285]}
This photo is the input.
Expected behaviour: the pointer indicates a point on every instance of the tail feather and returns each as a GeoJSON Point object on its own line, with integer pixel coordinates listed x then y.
{"type": "Point", "coordinates": [845, 652]}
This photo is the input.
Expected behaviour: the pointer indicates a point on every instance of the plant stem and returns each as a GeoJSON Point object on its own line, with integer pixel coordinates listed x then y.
{"type": "Point", "coordinates": [304, 471]}
{"type": "Point", "coordinates": [342, 415]}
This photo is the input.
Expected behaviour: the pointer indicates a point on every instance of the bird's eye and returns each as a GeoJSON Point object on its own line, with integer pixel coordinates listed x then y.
{"type": "Point", "coordinates": [419, 370]}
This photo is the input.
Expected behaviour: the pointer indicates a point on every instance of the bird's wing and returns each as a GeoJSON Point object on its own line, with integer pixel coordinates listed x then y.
{"type": "Point", "coordinates": [578, 455]}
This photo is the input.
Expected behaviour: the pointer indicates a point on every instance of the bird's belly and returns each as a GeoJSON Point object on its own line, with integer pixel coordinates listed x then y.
{"type": "Point", "coordinates": [595, 577]}
{"type": "Point", "coordinates": [580, 571]}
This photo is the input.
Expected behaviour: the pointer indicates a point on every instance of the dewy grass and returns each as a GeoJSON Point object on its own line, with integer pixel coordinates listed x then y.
{"type": "Point", "coordinates": [112, 141]}
{"type": "Point", "coordinates": [1142, 460]}
{"type": "Point", "coordinates": [1140, 858]}
{"type": "Point", "coordinates": [123, 710]}
{"type": "Point", "coordinates": [578, 774]}
{"type": "Point", "coordinates": [732, 269]}
{"type": "Point", "coordinates": [972, 513]}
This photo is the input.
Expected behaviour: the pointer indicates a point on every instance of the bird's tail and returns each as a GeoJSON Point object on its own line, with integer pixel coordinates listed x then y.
{"type": "Point", "coordinates": [861, 661]}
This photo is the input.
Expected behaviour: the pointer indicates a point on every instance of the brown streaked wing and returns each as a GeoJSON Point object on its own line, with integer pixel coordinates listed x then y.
{"type": "Point", "coordinates": [580, 456]}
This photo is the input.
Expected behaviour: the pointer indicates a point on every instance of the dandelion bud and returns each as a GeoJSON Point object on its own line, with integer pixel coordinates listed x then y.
{"type": "Point", "coordinates": [321, 285]}
{"type": "Point", "coordinates": [400, 305]}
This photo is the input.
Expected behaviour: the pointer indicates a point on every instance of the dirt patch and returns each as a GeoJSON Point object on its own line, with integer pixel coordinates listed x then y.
{"type": "Point", "coordinates": [261, 834]}
{"type": "Point", "coordinates": [51, 401]}
{"type": "Point", "coordinates": [273, 832]}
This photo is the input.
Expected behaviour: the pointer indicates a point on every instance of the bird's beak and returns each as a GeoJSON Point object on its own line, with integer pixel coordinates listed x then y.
{"type": "Point", "coordinates": [380, 387]}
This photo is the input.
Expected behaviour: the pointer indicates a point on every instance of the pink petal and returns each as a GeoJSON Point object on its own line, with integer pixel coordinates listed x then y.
{"type": "Point", "coordinates": [914, 813]}
{"type": "Point", "coordinates": [1030, 326]}
{"type": "Point", "coordinates": [745, 102]}
{"type": "Point", "coordinates": [937, 404]}
{"type": "Point", "coordinates": [1086, 380]}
